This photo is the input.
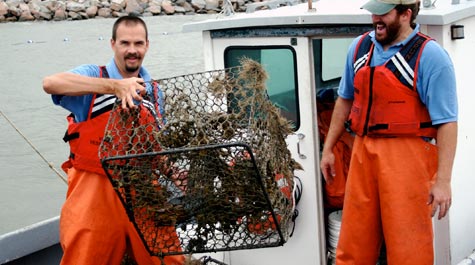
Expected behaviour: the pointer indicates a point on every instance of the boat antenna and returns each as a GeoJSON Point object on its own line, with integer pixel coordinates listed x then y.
{"type": "Point", "coordinates": [310, 8]}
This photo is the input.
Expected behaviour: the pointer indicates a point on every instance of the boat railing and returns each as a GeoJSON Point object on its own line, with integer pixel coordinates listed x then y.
{"type": "Point", "coordinates": [28, 240]}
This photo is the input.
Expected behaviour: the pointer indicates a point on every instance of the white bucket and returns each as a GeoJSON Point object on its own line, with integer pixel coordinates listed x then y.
{"type": "Point", "coordinates": [334, 225]}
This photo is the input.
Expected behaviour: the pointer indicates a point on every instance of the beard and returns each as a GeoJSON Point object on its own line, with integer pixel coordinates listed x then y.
{"type": "Point", "coordinates": [131, 68]}
{"type": "Point", "coordinates": [391, 34]}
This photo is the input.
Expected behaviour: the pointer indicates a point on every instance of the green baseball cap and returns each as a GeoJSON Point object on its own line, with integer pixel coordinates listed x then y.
{"type": "Point", "coordinates": [381, 7]}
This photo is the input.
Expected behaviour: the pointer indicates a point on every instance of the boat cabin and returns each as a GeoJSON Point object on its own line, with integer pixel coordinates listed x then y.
{"type": "Point", "coordinates": [302, 47]}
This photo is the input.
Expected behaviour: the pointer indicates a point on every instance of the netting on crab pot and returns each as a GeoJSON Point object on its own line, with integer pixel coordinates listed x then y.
{"type": "Point", "coordinates": [205, 167]}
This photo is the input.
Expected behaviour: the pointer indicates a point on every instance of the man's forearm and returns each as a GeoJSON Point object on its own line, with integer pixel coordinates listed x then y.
{"type": "Point", "coordinates": [70, 84]}
{"type": "Point", "coordinates": [446, 143]}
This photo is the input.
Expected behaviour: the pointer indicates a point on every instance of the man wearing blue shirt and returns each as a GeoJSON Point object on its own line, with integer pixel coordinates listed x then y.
{"type": "Point", "coordinates": [94, 226]}
{"type": "Point", "coordinates": [398, 96]}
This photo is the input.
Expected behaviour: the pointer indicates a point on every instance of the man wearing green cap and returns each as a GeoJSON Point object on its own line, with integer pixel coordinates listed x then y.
{"type": "Point", "coordinates": [398, 95]}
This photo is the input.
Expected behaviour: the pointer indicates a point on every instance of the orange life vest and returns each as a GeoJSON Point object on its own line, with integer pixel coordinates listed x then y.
{"type": "Point", "coordinates": [386, 101]}
{"type": "Point", "coordinates": [85, 137]}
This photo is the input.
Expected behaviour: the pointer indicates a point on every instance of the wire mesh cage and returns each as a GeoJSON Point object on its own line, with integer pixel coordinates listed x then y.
{"type": "Point", "coordinates": [203, 166]}
{"type": "Point", "coordinates": [204, 260]}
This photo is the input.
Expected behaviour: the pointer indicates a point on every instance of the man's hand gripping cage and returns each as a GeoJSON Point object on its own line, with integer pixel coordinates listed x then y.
{"type": "Point", "coordinates": [207, 168]}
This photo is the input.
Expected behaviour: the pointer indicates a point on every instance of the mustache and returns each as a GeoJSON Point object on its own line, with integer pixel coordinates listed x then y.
{"type": "Point", "coordinates": [132, 56]}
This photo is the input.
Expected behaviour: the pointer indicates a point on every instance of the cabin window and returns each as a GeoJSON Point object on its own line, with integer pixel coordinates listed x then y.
{"type": "Point", "coordinates": [334, 57]}
{"type": "Point", "coordinates": [329, 62]}
{"type": "Point", "coordinates": [280, 64]}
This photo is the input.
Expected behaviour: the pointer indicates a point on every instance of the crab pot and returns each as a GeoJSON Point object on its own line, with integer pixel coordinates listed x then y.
{"type": "Point", "coordinates": [203, 166]}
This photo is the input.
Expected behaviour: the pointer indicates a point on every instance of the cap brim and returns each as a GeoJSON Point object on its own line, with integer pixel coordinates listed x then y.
{"type": "Point", "coordinates": [378, 8]}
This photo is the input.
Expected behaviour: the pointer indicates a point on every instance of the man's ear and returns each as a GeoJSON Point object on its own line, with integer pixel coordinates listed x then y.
{"type": "Point", "coordinates": [407, 14]}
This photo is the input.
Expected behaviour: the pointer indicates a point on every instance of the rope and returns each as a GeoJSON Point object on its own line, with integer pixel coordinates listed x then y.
{"type": "Point", "coordinates": [50, 165]}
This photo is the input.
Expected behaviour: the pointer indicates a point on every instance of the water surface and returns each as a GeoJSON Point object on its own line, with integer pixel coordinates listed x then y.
{"type": "Point", "coordinates": [31, 127]}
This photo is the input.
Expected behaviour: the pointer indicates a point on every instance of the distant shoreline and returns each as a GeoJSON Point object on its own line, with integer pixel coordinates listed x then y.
{"type": "Point", "coordinates": [58, 10]}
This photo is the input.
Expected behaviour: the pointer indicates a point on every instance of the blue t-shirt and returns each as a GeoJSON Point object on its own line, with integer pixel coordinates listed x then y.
{"type": "Point", "coordinates": [79, 105]}
{"type": "Point", "coordinates": [436, 83]}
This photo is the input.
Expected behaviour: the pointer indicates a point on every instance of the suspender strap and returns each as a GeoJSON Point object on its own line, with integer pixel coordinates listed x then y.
{"type": "Point", "coordinates": [101, 103]}
{"type": "Point", "coordinates": [363, 52]}
{"type": "Point", "coordinates": [404, 63]}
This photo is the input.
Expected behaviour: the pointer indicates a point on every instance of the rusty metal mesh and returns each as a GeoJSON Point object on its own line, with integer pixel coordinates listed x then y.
{"type": "Point", "coordinates": [207, 170]}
